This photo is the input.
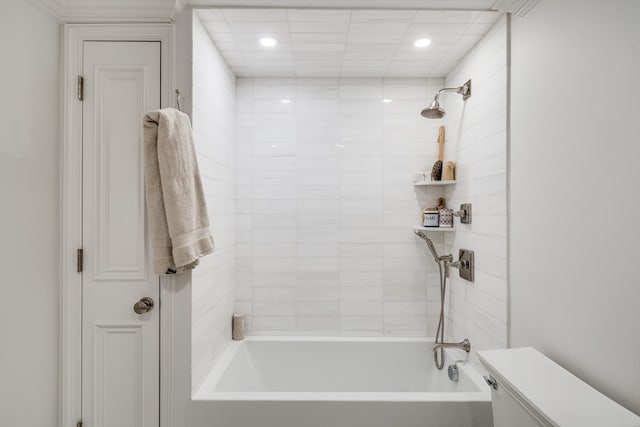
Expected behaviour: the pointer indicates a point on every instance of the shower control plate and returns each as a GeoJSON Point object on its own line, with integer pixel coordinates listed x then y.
{"type": "Point", "coordinates": [465, 256]}
{"type": "Point", "coordinates": [465, 208]}
{"type": "Point", "coordinates": [466, 90]}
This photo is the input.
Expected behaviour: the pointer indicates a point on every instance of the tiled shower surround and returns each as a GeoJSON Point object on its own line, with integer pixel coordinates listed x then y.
{"type": "Point", "coordinates": [212, 282]}
{"type": "Point", "coordinates": [325, 206]}
{"type": "Point", "coordinates": [478, 141]}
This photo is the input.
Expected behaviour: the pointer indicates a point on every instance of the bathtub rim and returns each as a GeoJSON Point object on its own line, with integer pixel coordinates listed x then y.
{"type": "Point", "coordinates": [483, 395]}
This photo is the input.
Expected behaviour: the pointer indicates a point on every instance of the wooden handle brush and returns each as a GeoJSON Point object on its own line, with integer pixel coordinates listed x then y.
{"type": "Point", "coordinates": [436, 172]}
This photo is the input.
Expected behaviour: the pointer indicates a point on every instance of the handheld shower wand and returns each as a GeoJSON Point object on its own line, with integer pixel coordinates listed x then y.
{"type": "Point", "coordinates": [430, 245]}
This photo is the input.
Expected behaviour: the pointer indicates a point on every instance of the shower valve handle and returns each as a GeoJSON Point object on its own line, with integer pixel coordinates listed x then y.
{"type": "Point", "coordinates": [464, 213]}
{"type": "Point", "coordinates": [463, 263]}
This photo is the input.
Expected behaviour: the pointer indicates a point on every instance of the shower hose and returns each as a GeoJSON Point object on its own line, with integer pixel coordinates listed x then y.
{"type": "Point", "coordinates": [438, 354]}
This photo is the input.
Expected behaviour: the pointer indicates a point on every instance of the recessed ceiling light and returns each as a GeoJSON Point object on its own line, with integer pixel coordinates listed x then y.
{"type": "Point", "coordinates": [286, 101]}
{"type": "Point", "coordinates": [268, 42]}
{"type": "Point", "coordinates": [422, 42]}
{"type": "Point", "coordinates": [387, 100]}
{"type": "Point", "coordinates": [339, 145]}
{"type": "Point", "coordinates": [274, 145]}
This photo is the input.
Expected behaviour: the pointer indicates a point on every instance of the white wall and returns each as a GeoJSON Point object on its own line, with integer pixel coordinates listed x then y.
{"type": "Point", "coordinates": [326, 207]}
{"type": "Point", "coordinates": [29, 238]}
{"type": "Point", "coordinates": [574, 190]}
{"type": "Point", "coordinates": [477, 141]}
{"type": "Point", "coordinates": [214, 135]}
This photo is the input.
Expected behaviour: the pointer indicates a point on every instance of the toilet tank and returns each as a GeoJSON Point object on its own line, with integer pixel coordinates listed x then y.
{"type": "Point", "coordinates": [511, 411]}
{"type": "Point", "coordinates": [531, 390]}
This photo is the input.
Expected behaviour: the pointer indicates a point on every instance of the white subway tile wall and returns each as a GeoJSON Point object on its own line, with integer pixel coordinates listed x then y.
{"type": "Point", "coordinates": [213, 281]}
{"type": "Point", "coordinates": [477, 140]}
{"type": "Point", "coordinates": [325, 206]}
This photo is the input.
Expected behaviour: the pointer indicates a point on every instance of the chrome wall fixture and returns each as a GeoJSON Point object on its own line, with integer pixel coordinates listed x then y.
{"type": "Point", "coordinates": [465, 345]}
{"type": "Point", "coordinates": [465, 264]}
{"type": "Point", "coordinates": [464, 213]}
{"type": "Point", "coordinates": [435, 111]}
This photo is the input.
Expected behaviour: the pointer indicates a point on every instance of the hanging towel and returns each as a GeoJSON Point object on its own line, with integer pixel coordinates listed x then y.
{"type": "Point", "coordinates": [175, 199]}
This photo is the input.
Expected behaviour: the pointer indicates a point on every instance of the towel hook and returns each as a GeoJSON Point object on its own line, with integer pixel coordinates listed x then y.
{"type": "Point", "coordinates": [179, 99]}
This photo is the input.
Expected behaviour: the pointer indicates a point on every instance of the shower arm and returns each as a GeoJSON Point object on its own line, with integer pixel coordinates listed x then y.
{"type": "Point", "coordinates": [450, 89]}
{"type": "Point", "coordinates": [464, 90]}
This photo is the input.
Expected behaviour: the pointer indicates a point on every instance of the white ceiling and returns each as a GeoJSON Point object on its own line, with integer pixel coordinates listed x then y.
{"type": "Point", "coordinates": [353, 4]}
{"type": "Point", "coordinates": [344, 43]}
{"type": "Point", "coordinates": [404, 4]}
{"type": "Point", "coordinates": [86, 11]}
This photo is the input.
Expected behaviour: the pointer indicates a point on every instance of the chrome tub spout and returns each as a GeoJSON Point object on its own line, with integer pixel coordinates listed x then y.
{"type": "Point", "coordinates": [465, 345]}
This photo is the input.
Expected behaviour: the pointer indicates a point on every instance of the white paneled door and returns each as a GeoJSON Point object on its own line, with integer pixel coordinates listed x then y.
{"type": "Point", "coordinates": [120, 347]}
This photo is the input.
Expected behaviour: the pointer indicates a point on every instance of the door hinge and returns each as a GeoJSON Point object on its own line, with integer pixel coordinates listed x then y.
{"type": "Point", "coordinates": [80, 254]}
{"type": "Point", "coordinates": [79, 424]}
{"type": "Point", "coordinates": [80, 88]}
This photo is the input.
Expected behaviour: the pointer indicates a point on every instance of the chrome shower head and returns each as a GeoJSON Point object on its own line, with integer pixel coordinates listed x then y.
{"type": "Point", "coordinates": [429, 243]}
{"type": "Point", "coordinates": [435, 111]}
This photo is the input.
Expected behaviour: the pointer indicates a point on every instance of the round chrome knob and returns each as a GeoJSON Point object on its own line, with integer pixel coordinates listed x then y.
{"type": "Point", "coordinates": [143, 306]}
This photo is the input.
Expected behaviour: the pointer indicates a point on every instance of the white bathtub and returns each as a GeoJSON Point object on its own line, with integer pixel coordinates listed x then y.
{"type": "Point", "coordinates": [337, 382]}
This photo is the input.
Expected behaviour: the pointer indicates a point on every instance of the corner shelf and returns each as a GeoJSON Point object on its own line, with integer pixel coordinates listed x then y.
{"type": "Point", "coordinates": [436, 229]}
{"type": "Point", "coordinates": [433, 183]}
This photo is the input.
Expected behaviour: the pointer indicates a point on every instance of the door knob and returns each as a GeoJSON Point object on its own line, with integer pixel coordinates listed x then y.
{"type": "Point", "coordinates": [145, 305]}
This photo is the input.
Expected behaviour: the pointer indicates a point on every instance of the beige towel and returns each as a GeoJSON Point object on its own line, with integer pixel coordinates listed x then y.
{"type": "Point", "coordinates": [175, 200]}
